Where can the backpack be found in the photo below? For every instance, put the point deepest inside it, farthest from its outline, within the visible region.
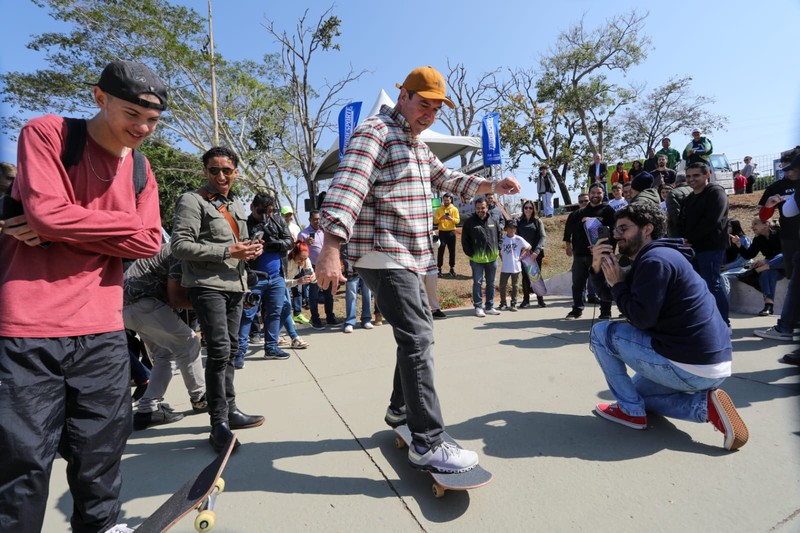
(76, 141)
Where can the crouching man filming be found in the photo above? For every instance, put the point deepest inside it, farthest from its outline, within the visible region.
(675, 339)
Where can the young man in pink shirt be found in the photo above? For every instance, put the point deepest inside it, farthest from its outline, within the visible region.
(64, 367)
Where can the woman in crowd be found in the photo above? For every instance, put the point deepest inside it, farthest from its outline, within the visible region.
(767, 241)
(531, 228)
(636, 168)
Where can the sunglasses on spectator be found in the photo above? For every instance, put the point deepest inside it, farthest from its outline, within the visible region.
(216, 170)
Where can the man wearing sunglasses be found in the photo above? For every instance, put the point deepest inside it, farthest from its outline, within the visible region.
(675, 340)
(210, 236)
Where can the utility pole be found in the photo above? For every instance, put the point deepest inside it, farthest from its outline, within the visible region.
(215, 115)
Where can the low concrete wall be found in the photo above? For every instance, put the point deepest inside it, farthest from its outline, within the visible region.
(743, 298)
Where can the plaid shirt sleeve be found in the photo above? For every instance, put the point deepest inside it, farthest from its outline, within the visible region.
(380, 198)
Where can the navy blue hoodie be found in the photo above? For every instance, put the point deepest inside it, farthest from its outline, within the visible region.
(663, 296)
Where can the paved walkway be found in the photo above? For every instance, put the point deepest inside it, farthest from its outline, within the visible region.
(519, 388)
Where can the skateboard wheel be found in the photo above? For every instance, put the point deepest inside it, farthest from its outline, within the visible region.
(438, 490)
(399, 443)
(205, 521)
(220, 485)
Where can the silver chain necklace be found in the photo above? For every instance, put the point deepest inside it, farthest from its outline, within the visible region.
(91, 166)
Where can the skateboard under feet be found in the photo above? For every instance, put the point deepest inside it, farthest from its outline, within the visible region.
(471, 479)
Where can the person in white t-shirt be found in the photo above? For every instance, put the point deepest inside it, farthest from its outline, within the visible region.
(617, 202)
(512, 250)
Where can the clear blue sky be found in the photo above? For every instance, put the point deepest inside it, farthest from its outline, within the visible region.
(740, 52)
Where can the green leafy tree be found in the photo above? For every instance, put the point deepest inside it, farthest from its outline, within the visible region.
(171, 39)
(178, 172)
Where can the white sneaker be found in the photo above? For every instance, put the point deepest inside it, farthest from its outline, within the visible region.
(367, 325)
(444, 457)
(479, 312)
(120, 528)
(492, 311)
(348, 328)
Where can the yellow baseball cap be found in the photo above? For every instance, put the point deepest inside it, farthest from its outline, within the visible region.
(428, 83)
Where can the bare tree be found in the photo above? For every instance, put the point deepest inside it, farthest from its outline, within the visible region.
(310, 111)
(666, 110)
(472, 101)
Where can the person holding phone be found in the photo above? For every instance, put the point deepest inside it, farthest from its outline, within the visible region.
(675, 340)
(210, 236)
(271, 269)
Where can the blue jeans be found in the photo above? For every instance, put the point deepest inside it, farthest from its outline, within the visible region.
(708, 264)
(479, 271)
(400, 296)
(657, 385)
(271, 293)
(351, 303)
(314, 293)
(286, 315)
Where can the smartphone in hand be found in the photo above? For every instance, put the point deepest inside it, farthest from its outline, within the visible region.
(603, 232)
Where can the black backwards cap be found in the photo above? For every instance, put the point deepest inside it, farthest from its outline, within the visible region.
(127, 80)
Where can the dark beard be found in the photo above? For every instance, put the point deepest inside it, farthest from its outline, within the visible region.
(632, 246)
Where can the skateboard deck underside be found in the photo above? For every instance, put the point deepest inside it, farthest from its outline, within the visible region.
(189, 496)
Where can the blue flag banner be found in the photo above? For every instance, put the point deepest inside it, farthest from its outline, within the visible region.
(490, 136)
(348, 118)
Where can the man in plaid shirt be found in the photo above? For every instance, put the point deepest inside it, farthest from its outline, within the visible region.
(379, 203)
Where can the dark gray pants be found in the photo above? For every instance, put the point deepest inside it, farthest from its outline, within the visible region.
(69, 395)
(219, 314)
(400, 296)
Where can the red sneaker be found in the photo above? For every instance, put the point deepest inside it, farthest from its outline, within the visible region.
(723, 414)
(614, 413)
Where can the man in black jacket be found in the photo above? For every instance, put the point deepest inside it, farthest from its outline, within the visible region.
(578, 248)
(270, 290)
(704, 227)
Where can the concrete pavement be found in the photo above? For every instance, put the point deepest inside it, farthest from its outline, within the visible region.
(519, 388)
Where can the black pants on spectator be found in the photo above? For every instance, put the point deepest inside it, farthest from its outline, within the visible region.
(581, 270)
(219, 314)
(447, 239)
(69, 395)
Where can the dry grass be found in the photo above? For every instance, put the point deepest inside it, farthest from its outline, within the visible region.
(457, 292)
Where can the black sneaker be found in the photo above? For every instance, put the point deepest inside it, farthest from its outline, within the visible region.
(540, 301)
(452, 273)
(523, 305)
(502, 307)
(277, 353)
(156, 418)
(574, 314)
(439, 314)
(201, 405)
(333, 321)
(593, 300)
(395, 417)
(317, 324)
(513, 308)
(604, 316)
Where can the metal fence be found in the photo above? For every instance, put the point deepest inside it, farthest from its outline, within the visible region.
(764, 168)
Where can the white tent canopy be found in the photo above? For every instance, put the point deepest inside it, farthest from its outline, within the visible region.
(443, 146)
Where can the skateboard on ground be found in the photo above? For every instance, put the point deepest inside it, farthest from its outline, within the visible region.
(198, 493)
(472, 479)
